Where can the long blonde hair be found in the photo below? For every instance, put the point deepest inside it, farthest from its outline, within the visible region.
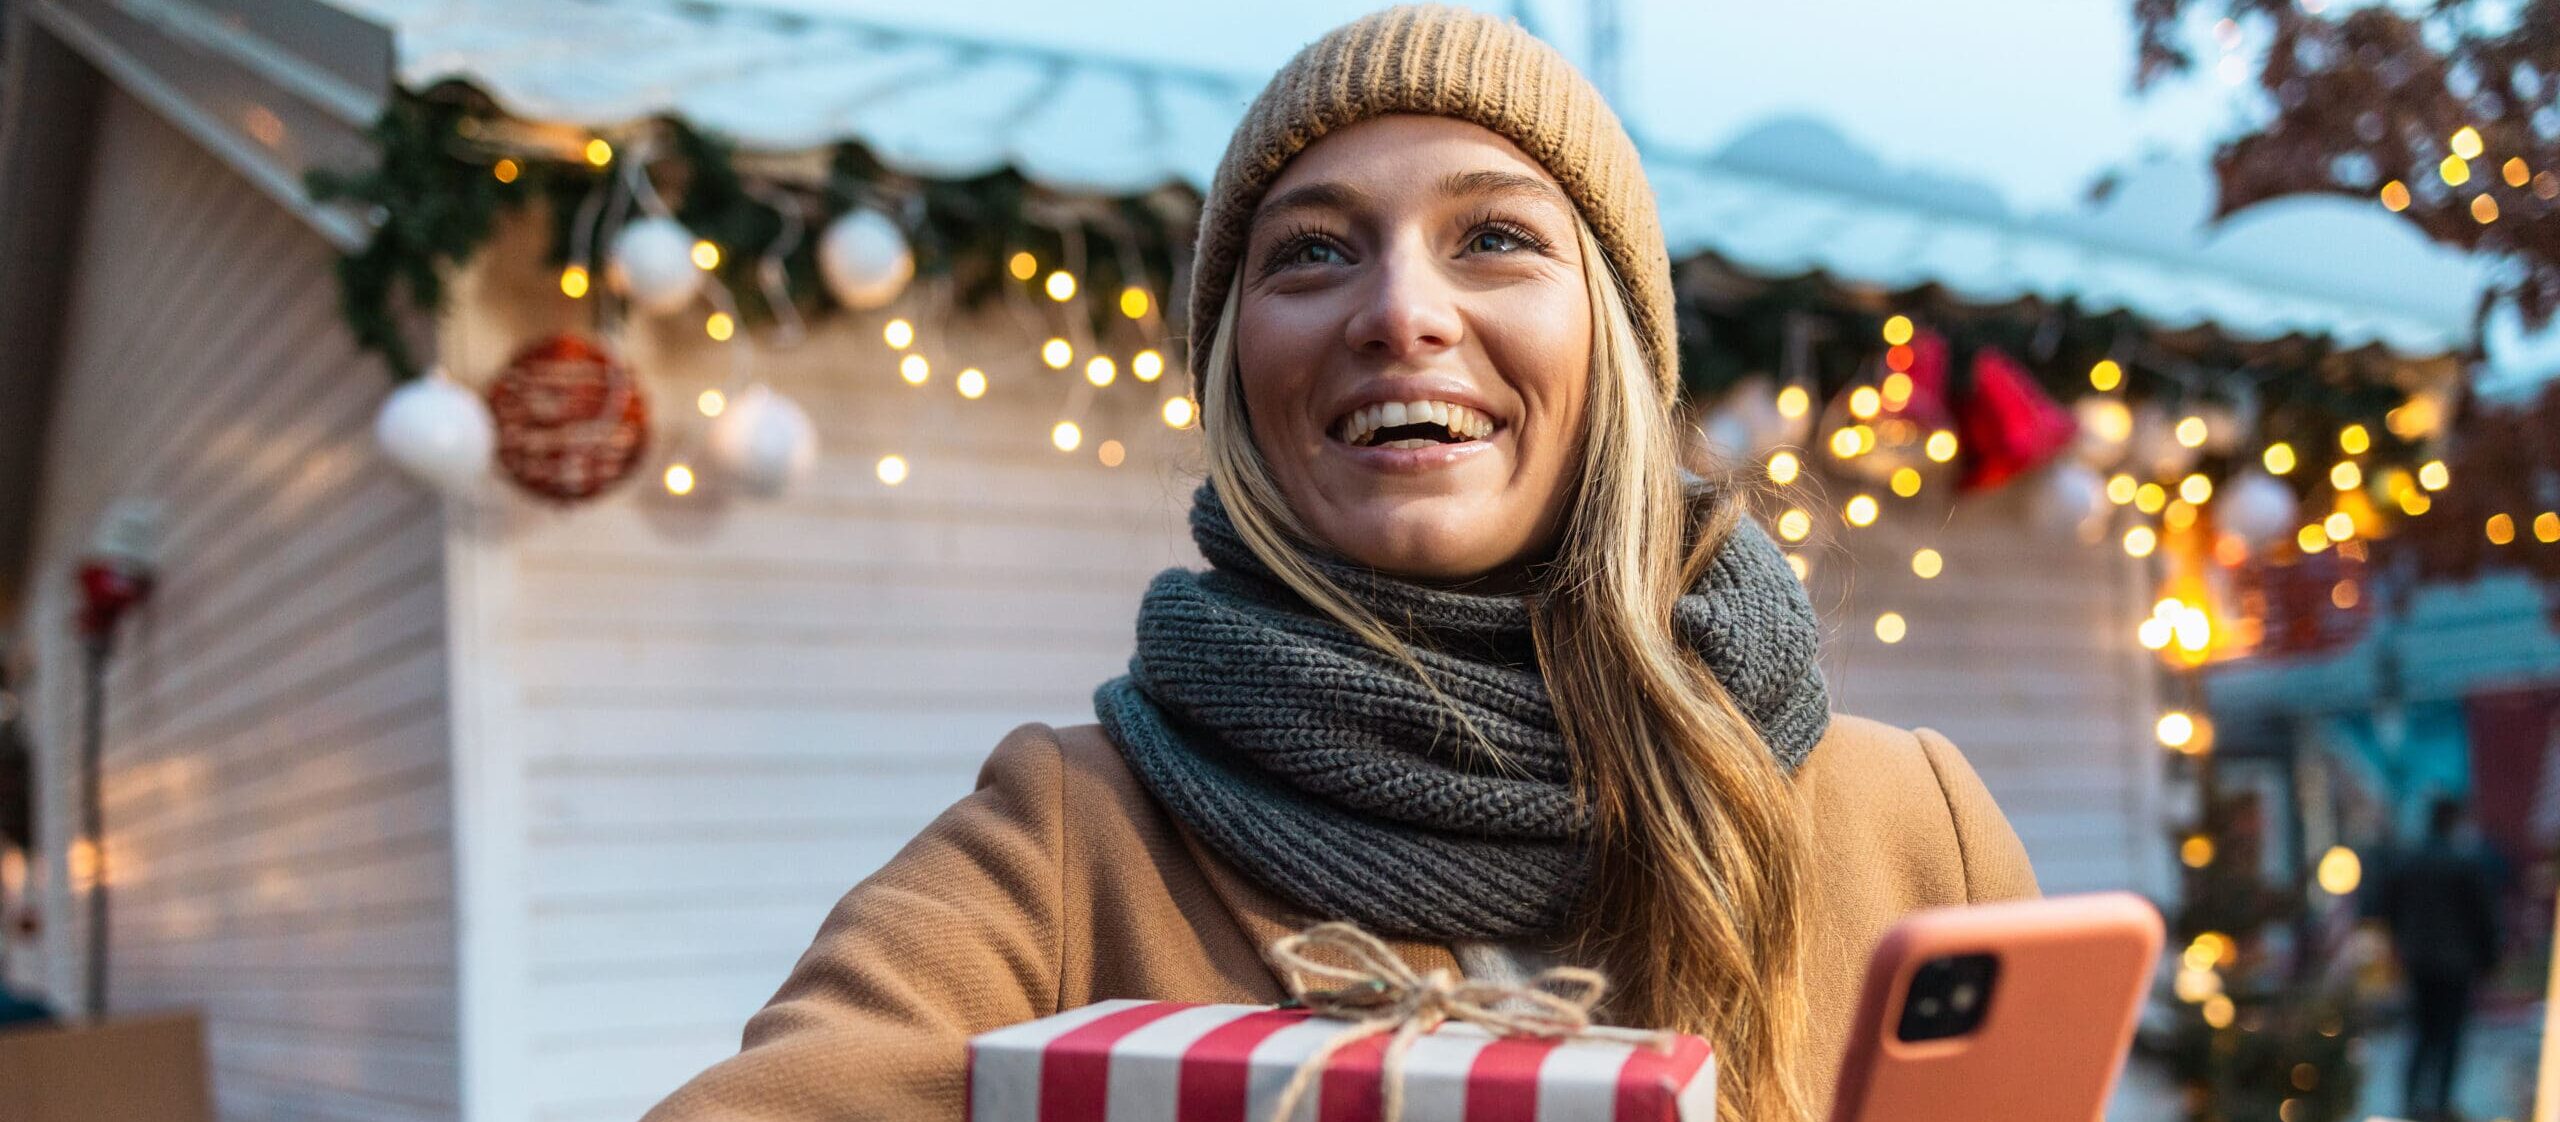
(1696, 906)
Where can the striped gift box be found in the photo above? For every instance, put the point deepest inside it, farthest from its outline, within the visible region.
(1165, 1061)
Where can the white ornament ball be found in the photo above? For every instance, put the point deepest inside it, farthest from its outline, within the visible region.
(865, 259)
(764, 442)
(653, 265)
(2256, 506)
(438, 432)
(2069, 499)
(2106, 426)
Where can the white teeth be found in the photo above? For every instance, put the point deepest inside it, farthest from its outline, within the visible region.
(1463, 423)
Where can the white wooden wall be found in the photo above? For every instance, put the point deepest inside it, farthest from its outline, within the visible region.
(705, 718)
(276, 773)
(2023, 653)
(696, 722)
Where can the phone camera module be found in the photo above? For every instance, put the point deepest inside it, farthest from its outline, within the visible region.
(1948, 997)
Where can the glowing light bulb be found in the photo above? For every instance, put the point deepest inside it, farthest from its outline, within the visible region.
(1061, 286)
(1111, 453)
(972, 383)
(2338, 527)
(898, 333)
(2501, 529)
(1865, 402)
(2312, 539)
(2455, 171)
(679, 479)
(1146, 365)
(1179, 412)
(2346, 476)
(1906, 481)
(2140, 541)
(574, 282)
(2354, 440)
(1861, 510)
(2175, 729)
(2150, 497)
(1941, 446)
(914, 369)
(1890, 627)
(706, 256)
(2484, 209)
(1784, 467)
(2340, 871)
(2196, 852)
(2195, 489)
(2191, 431)
(2106, 375)
(507, 171)
(1897, 330)
(2121, 488)
(1134, 302)
(720, 326)
(711, 402)
(2395, 196)
(1927, 564)
(2279, 458)
(1100, 370)
(599, 152)
(1066, 436)
(2465, 143)
(1793, 401)
(2433, 476)
(1794, 525)
(1022, 265)
(892, 470)
(1057, 353)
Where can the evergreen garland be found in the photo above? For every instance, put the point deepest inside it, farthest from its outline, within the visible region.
(434, 201)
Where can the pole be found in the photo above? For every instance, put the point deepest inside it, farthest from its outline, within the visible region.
(93, 819)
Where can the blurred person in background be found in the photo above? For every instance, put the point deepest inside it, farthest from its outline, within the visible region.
(2439, 903)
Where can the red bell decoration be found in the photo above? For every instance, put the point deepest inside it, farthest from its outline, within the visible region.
(1926, 360)
(2008, 423)
(109, 587)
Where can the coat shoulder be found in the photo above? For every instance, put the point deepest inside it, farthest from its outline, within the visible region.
(1128, 871)
(1876, 787)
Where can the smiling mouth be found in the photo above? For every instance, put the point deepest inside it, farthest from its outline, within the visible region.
(1412, 424)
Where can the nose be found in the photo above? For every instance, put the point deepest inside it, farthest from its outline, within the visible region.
(1409, 310)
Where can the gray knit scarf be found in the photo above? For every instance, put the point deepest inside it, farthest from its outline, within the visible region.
(1322, 769)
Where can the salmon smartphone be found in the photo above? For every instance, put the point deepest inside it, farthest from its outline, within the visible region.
(2018, 1012)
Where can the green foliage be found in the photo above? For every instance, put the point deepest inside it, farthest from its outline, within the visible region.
(435, 202)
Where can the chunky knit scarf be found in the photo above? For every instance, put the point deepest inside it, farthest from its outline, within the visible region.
(1324, 770)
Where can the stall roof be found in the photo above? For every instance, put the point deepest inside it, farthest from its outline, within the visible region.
(1791, 198)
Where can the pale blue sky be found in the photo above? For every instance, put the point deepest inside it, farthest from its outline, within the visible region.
(2032, 96)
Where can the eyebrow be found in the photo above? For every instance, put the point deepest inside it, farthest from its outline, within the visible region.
(1330, 195)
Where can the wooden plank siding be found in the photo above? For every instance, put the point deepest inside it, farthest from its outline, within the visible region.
(277, 753)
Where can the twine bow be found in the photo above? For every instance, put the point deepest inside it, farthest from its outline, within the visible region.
(1381, 994)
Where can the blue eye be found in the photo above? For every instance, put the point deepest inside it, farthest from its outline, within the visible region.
(1312, 251)
(1494, 239)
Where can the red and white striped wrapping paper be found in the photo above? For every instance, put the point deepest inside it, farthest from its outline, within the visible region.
(1163, 1061)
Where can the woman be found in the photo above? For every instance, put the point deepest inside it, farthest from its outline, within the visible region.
(1471, 666)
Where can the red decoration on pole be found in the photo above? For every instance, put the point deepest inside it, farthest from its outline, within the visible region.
(109, 587)
(2009, 425)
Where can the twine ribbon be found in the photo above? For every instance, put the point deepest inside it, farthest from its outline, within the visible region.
(1379, 993)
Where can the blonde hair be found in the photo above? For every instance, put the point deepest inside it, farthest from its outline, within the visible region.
(1696, 904)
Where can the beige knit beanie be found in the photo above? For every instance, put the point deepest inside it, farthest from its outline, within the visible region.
(1446, 62)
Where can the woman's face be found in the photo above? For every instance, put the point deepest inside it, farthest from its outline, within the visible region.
(1414, 341)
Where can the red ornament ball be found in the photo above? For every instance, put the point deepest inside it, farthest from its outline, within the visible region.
(571, 418)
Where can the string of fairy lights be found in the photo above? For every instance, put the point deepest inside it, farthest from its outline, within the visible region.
(1059, 349)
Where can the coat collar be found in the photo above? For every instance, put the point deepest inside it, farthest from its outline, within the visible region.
(1265, 918)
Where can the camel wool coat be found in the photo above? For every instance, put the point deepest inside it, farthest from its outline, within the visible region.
(1061, 882)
